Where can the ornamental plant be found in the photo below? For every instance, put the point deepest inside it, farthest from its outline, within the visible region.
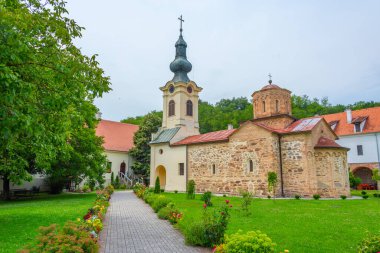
(370, 244)
(209, 231)
(252, 241)
(206, 197)
(316, 196)
(160, 202)
(157, 187)
(190, 189)
(246, 201)
(272, 182)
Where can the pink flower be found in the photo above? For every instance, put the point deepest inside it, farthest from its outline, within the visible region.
(204, 205)
(227, 201)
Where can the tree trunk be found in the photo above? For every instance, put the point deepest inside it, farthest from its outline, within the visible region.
(6, 188)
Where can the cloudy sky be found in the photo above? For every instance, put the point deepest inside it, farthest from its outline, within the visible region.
(319, 48)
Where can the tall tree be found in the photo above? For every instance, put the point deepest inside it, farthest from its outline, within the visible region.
(47, 87)
(141, 151)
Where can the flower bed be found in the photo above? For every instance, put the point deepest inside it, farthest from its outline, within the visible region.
(79, 236)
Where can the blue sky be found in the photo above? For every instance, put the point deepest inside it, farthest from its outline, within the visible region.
(318, 48)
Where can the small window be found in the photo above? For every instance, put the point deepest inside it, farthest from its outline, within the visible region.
(360, 149)
(189, 108)
(263, 106)
(250, 166)
(277, 106)
(181, 168)
(161, 151)
(357, 128)
(213, 169)
(171, 108)
(109, 167)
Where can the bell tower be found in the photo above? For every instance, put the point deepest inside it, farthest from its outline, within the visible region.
(180, 95)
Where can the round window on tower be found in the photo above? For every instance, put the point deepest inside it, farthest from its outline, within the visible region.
(189, 89)
(171, 89)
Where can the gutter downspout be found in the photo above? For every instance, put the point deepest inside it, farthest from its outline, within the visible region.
(280, 163)
(187, 167)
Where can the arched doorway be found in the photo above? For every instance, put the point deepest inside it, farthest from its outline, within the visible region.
(122, 167)
(365, 174)
(161, 174)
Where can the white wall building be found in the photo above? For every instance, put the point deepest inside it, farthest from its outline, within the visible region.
(360, 131)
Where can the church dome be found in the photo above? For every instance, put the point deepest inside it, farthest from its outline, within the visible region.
(270, 87)
(180, 66)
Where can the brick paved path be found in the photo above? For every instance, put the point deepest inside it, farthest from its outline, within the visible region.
(132, 226)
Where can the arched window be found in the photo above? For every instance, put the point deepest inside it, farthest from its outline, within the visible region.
(189, 108)
(277, 105)
(171, 108)
(250, 166)
(263, 106)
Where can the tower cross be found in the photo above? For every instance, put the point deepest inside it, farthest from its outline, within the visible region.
(270, 78)
(181, 21)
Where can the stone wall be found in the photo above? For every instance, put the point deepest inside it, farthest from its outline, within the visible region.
(332, 173)
(231, 161)
(276, 122)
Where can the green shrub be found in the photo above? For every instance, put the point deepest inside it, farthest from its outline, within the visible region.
(86, 188)
(162, 190)
(195, 234)
(370, 244)
(209, 231)
(297, 196)
(375, 195)
(316, 196)
(224, 195)
(354, 181)
(170, 212)
(206, 197)
(123, 186)
(117, 182)
(343, 197)
(365, 196)
(73, 237)
(175, 191)
(150, 198)
(112, 179)
(272, 182)
(157, 187)
(364, 193)
(269, 197)
(137, 187)
(190, 189)
(160, 202)
(246, 201)
(252, 241)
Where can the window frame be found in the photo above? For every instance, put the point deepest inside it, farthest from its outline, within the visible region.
(171, 109)
(181, 169)
(359, 149)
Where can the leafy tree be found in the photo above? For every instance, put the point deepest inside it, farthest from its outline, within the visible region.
(354, 181)
(47, 91)
(141, 150)
(190, 189)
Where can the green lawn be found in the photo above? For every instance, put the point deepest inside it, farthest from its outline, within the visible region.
(297, 225)
(20, 219)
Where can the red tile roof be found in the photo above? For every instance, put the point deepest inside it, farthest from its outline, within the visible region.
(327, 143)
(372, 124)
(270, 86)
(302, 125)
(117, 136)
(217, 136)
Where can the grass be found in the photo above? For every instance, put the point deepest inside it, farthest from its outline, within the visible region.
(20, 219)
(296, 225)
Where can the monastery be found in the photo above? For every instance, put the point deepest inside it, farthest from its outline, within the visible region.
(302, 152)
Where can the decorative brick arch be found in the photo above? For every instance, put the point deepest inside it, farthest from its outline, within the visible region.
(365, 174)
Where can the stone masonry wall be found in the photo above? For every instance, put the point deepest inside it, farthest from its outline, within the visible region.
(231, 160)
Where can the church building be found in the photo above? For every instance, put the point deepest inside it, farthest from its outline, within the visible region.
(302, 152)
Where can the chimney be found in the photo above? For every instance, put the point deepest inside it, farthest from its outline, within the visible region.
(349, 115)
(98, 115)
(230, 127)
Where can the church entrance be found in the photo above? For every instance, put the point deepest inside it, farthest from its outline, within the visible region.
(122, 167)
(161, 174)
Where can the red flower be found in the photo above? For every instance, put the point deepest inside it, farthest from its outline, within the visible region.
(204, 205)
(87, 216)
(227, 201)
